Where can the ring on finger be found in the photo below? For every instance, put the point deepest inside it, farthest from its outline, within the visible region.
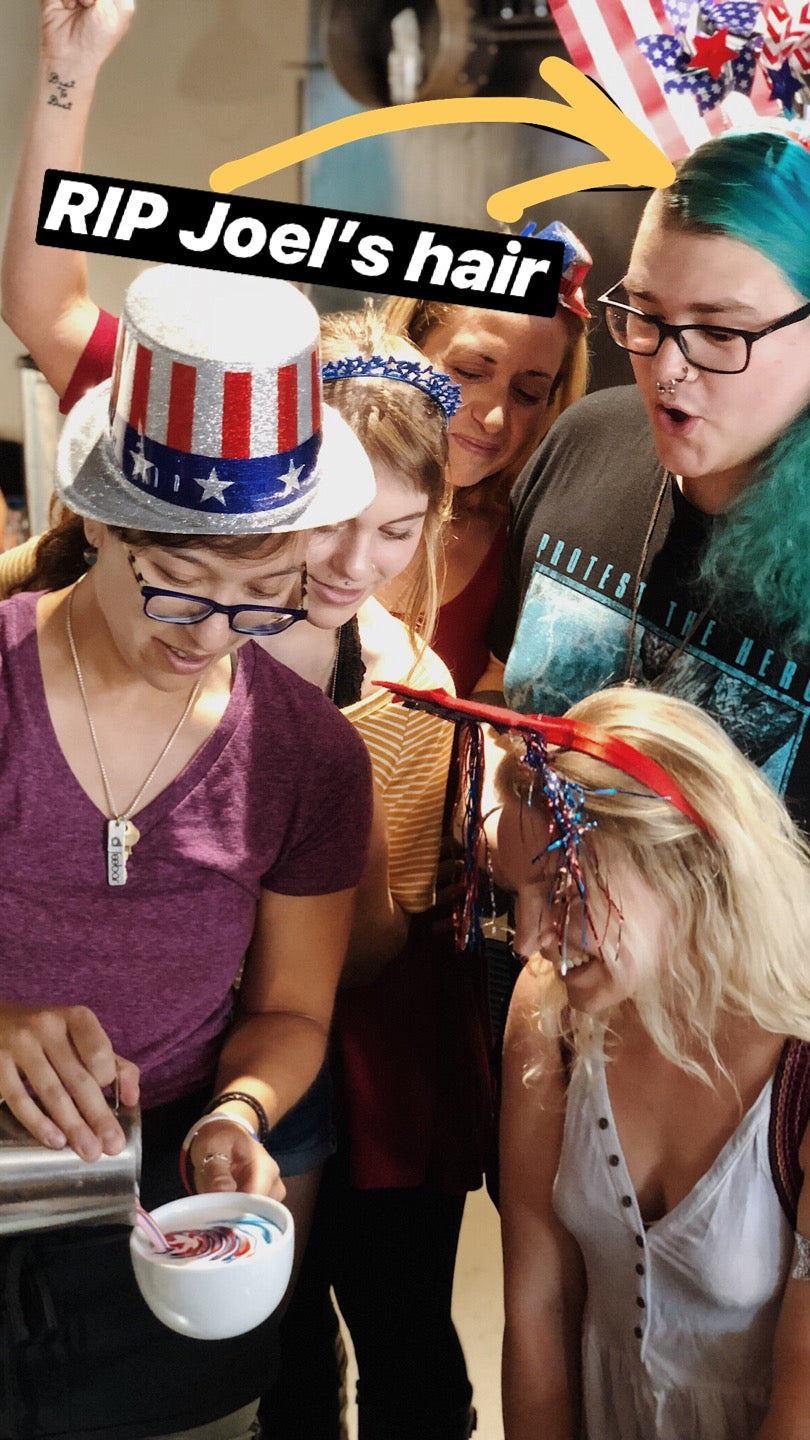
(214, 1155)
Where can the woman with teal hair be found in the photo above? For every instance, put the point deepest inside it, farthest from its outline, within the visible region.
(759, 556)
(661, 533)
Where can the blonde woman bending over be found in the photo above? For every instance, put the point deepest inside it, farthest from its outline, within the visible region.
(653, 1284)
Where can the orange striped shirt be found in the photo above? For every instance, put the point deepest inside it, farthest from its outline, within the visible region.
(410, 754)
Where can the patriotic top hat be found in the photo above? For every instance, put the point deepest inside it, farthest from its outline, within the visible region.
(212, 423)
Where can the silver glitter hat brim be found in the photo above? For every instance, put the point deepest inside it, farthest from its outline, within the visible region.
(91, 483)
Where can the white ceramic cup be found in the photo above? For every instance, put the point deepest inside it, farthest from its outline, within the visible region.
(211, 1297)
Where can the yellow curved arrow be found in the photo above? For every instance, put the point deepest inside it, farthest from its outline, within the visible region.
(588, 115)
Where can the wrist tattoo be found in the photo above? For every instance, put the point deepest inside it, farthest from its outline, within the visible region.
(801, 1270)
(60, 92)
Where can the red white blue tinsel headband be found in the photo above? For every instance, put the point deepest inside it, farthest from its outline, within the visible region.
(566, 799)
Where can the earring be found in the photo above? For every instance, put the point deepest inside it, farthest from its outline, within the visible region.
(90, 556)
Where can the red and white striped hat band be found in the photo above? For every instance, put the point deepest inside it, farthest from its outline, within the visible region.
(214, 416)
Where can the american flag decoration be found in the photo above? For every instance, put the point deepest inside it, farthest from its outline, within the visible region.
(711, 52)
(785, 55)
(214, 437)
(682, 71)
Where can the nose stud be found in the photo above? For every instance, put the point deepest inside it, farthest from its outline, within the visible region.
(669, 388)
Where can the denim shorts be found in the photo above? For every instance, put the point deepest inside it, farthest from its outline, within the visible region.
(305, 1138)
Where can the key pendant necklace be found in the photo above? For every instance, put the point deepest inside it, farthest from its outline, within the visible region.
(122, 832)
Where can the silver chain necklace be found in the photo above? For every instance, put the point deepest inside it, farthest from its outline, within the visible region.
(122, 833)
(333, 678)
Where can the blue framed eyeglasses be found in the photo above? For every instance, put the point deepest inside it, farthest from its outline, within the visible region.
(176, 607)
(721, 349)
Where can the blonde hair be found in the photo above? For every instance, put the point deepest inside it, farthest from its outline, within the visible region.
(737, 895)
(416, 318)
(402, 428)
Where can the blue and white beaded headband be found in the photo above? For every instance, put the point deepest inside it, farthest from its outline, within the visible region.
(433, 383)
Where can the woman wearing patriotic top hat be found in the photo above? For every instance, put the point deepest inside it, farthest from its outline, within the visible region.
(517, 373)
(394, 402)
(59, 289)
(163, 822)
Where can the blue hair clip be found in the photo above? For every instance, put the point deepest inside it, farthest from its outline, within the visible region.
(437, 386)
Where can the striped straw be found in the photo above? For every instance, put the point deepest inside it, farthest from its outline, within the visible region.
(152, 1230)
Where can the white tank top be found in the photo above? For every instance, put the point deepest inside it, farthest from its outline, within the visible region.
(680, 1316)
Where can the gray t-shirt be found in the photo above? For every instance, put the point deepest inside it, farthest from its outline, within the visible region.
(580, 514)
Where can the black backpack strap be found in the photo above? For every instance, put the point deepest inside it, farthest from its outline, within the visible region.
(790, 1114)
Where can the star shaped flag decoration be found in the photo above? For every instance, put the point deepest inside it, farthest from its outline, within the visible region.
(712, 51)
(785, 85)
(687, 70)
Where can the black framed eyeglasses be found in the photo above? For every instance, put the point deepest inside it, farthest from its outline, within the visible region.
(721, 349)
(175, 607)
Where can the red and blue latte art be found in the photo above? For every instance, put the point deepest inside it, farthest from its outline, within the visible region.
(242, 1236)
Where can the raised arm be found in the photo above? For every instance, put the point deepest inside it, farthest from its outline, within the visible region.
(543, 1275)
(44, 291)
(788, 1415)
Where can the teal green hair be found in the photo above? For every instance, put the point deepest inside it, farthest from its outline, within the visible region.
(755, 187)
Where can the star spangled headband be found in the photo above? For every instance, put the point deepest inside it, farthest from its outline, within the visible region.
(433, 383)
(715, 48)
(567, 800)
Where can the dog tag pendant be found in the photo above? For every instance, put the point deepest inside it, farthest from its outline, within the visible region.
(116, 852)
(121, 836)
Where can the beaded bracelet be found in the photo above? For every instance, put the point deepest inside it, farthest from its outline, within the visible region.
(189, 1188)
(249, 1100)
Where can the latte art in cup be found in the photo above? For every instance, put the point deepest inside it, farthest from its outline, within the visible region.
(228, 1268)
(241, 1237)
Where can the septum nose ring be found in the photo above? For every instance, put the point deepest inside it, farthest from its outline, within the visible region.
(669, 388)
